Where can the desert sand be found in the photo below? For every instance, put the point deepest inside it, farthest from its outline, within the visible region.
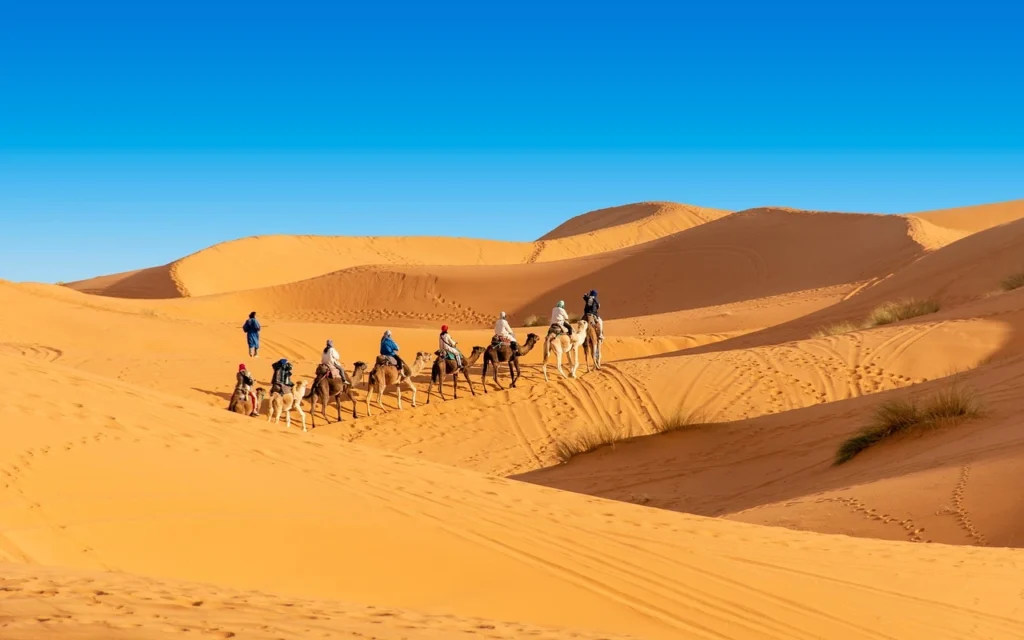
(133, 505)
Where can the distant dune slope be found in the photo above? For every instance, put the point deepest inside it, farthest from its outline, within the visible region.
(975, 218)
(651, 219)
(971, 268)
(271, 260)
(748, 255)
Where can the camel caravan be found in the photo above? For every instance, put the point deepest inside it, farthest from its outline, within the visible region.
(331, 383)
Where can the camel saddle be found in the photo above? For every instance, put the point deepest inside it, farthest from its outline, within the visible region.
(556, 330)
(501, 340)
(387, 361)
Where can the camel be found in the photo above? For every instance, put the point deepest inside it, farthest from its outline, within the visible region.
(241, 403)
(385, 374)
(502, 352)
(591, 344)
(325, 389)
(561, 343)
(286, 402)
(450, 369)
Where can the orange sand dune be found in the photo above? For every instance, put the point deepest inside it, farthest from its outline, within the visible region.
(178, 491)
(748, 255)
(133, 505)
(975, 218)
(272, 260)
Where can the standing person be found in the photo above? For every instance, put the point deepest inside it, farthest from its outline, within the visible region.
(447, 345)
(389, 348)
(503, 331)
(333, 361)
(560, 319)
(592, 306)
(252, 334)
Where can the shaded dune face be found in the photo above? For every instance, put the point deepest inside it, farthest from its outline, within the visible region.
(133, 504)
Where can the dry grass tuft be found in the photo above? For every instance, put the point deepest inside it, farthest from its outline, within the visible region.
(585, 441)
(531, 321)
(836, 329)
(574, 317)
(891, 312)
(1016, 281)
(948, 406)
(681, 422)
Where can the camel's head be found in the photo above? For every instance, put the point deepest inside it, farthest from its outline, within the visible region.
(531, 338)
(423, 357)
(260, 394)
(476, 352)
(581, 326)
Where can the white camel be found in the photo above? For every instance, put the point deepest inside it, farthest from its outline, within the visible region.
(285, 403)
(561, 344)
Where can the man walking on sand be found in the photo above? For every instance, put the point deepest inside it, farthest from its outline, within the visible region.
(252, 334)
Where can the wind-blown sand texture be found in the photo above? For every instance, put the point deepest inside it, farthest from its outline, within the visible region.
(133, 505)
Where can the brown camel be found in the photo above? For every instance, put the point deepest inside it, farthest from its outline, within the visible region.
(451, 369)
(591, 344)
(326, 389)
(502, 352)
(286, 403)
(242, 402)
(385, 374)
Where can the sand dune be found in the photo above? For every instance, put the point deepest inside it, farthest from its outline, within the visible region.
(272, 260)
(133, 505)
(754, 254)
(374, 529)
(975, 218)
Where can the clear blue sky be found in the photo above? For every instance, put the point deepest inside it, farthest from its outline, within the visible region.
(134, 133)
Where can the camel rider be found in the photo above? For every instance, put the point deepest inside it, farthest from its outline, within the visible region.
(446, 345)
(591, 307)
(282, 380)
(560, 319)
(333, 361)
(244, 383)
(502, 331)
(389, 349)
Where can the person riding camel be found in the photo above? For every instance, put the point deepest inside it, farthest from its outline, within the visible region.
(331, 358)
(282, 380)
(560, 319)
(389, 349)
(447, 346)
(244, 382)
(502, 332)
(591, 306)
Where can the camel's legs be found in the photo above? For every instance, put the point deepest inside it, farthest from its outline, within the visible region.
(574, 359)
(398, 392)
(302, 414)
(465, 372)
(380, 397)
(412, 388)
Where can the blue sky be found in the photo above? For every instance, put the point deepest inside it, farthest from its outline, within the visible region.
(134, 133)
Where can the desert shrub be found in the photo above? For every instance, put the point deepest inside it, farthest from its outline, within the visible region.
(681, 421)
(585, 441)
(894, 417)
(1016, 281)
(904, 309)
(531, 321)
(836, 329)
(574, 317)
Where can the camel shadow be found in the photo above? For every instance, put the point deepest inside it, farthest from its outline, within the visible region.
(226, 397)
